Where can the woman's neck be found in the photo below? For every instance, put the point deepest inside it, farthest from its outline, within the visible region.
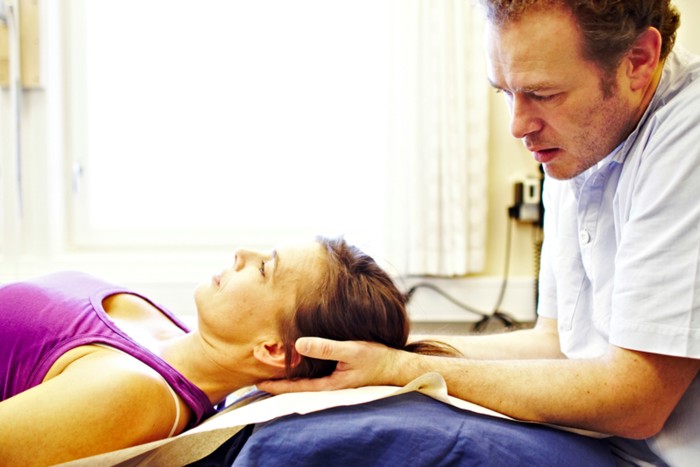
(217, 368)
(204, 364)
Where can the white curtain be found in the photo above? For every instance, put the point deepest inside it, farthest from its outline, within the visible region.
(440, 102)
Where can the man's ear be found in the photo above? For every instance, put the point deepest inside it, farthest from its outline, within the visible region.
(272, 353)
(643, 58)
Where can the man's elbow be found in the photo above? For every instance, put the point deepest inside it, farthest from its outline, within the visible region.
(633, 416)
(641, 425)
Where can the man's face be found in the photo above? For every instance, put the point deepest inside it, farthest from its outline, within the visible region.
(555, 96)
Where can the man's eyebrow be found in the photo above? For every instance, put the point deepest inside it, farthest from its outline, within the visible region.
(493, 84)
(525, 90)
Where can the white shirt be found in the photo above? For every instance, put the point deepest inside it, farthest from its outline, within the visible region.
(621, 256)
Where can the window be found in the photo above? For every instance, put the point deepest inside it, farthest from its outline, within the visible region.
(224, 123)
(172, 130)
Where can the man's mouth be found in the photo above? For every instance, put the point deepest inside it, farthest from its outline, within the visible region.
(545, 155)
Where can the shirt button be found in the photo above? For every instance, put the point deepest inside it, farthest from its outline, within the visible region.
(584, 237)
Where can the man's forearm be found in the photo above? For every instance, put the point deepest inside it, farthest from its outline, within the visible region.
(542, 341)
(625, 393)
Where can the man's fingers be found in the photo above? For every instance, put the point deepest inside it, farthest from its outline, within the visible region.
(355, 365)
(283, 386)
(317, 347)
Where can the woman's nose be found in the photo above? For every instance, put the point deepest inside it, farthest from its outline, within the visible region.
(242, 257)
(239, 259)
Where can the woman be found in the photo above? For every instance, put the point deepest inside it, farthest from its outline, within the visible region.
(88, 367)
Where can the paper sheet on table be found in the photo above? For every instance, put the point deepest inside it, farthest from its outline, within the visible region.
(202, 440)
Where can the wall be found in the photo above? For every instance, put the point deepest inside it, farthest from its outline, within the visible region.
(689, 35)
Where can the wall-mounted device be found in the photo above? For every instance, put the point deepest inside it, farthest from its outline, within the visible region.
(528, 208)
(527, 200)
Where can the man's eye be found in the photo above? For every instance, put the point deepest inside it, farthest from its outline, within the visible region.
(262, 268)
(544, 98)
(503, 91)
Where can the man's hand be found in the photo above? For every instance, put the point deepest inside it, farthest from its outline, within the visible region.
(359, 364)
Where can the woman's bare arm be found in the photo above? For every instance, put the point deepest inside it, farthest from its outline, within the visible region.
(102, 402)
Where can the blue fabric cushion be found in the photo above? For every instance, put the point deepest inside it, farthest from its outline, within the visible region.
(416, 430)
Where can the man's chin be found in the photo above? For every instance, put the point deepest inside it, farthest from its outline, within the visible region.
(560, 172)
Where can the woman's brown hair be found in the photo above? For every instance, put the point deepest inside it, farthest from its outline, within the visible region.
(356, 300)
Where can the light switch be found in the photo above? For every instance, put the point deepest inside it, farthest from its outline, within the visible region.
(29, 45)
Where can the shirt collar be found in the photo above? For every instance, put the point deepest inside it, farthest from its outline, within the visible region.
(658, 100)
(614, 157)
(619, 154)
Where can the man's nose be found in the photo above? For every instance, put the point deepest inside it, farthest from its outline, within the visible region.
(524, 119)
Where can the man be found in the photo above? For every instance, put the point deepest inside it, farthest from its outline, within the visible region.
(598, 96)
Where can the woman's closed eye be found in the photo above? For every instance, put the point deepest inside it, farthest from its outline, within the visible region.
(262, 268)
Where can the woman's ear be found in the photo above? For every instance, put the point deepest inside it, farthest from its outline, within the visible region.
(270, 353)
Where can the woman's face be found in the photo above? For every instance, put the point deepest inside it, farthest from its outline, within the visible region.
(245, 302)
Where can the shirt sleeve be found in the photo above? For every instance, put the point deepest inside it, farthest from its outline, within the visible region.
(656, 299)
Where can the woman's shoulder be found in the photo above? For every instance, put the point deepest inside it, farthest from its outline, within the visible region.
(125, 388)
(104, 400)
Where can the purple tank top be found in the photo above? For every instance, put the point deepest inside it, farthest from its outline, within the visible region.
(43, 318)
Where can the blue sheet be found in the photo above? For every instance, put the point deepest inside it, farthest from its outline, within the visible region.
(408, 429)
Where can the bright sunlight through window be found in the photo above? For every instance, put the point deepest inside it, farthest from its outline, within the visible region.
(253, 119)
